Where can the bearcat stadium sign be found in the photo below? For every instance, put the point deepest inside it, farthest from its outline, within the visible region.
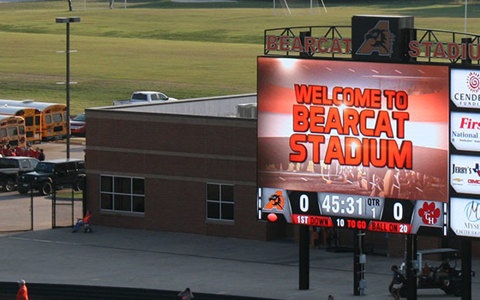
(375, 38)
(436, 50)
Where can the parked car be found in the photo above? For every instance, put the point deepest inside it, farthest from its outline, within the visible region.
(50, 174)
(145, 97)
(13, 166)
(78, 125)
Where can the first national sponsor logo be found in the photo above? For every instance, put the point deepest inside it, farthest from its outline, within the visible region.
(465, 131)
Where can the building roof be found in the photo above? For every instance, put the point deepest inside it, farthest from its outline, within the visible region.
(234, 106)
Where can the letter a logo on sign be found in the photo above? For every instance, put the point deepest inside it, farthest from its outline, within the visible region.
(379, 39)
(275, 201)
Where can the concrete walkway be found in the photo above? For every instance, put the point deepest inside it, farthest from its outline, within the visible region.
(173, 261)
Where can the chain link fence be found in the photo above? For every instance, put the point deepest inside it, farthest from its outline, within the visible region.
(67, 207)
(32, 211)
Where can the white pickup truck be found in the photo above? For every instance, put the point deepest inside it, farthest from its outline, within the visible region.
(144, 97)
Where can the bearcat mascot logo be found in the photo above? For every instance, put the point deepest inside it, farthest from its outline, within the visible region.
(378, 39)
(275, 201)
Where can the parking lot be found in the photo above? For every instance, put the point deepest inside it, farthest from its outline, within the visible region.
(15, 209)
(58, 149)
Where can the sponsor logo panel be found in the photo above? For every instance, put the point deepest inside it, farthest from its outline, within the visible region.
(465, 216)
(464, 131)
(465, 88)
(465, 174)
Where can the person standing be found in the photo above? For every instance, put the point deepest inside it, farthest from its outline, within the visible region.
(36, 153)
(41, 156)
(397, 283)
(7, 151)
(22, 293)
(186, 294)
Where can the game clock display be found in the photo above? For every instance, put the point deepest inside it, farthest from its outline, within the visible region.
(350, 211)
(330, 204)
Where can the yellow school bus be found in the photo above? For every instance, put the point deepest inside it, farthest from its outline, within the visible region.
(53, 117)
(12, 131)
(32, 116)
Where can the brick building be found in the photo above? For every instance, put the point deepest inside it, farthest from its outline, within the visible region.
(183, 166)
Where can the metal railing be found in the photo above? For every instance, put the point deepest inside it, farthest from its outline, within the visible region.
(330, 32)
(424, 38)
(444, 37)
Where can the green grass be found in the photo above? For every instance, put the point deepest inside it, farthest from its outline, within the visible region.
(185, 50)
(67, 194)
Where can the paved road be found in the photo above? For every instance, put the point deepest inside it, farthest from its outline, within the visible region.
(58, 149)
(173, 261)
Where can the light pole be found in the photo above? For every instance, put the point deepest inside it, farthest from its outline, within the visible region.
(67, 21)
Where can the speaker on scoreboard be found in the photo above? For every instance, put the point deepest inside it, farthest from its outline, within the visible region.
(304, 34)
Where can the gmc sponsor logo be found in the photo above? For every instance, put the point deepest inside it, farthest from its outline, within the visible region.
(474, 181)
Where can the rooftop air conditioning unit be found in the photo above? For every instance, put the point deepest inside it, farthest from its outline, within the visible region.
(247, 110)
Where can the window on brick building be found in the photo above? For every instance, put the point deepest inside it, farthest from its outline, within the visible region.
(120, 193)
(220, 204)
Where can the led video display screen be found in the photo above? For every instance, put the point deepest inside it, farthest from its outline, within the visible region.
(352, 139)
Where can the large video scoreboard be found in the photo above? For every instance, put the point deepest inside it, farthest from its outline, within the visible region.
(358, 145)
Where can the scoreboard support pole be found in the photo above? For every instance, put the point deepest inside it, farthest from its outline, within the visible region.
(304, 258)
(466, 255)
(411, 249)
(358, 263)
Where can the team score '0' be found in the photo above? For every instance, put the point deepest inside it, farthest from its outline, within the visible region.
(399, 211)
